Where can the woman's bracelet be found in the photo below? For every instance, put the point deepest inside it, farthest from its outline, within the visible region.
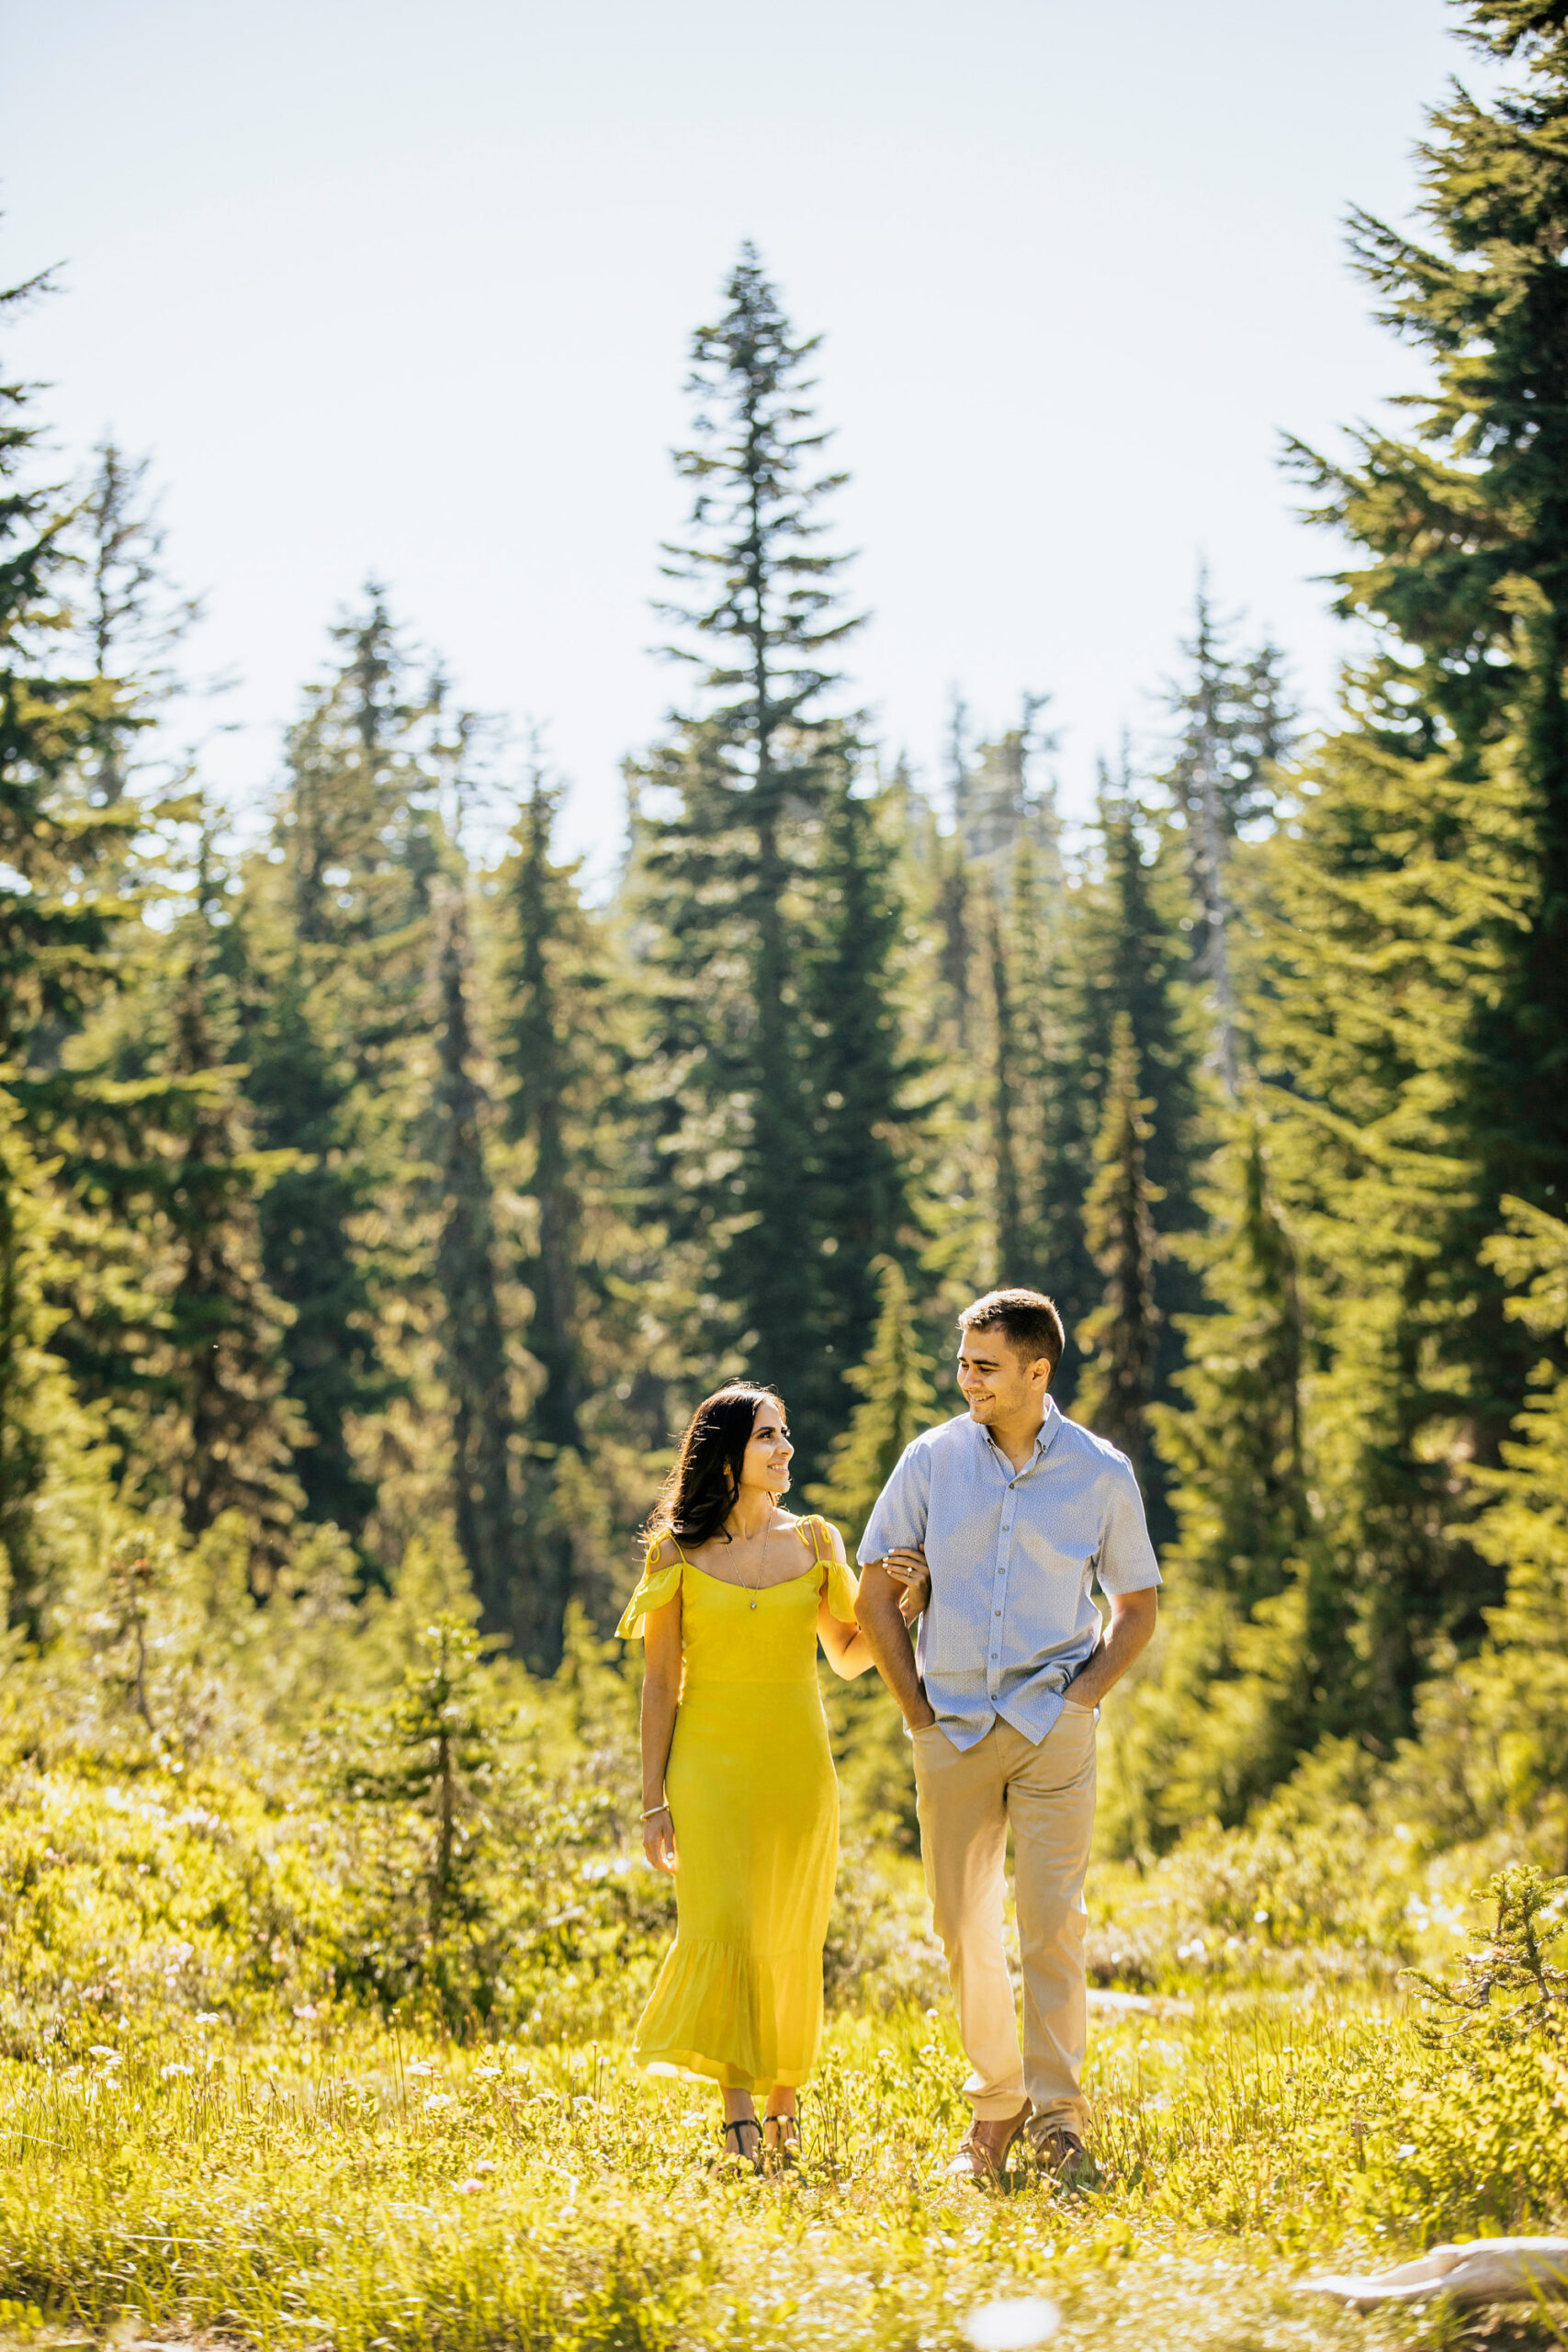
(649, 1811)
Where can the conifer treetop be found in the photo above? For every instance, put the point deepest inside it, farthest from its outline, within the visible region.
(1466, 522)
(765, 606)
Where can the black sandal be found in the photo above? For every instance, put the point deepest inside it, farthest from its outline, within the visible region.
(743, 2124)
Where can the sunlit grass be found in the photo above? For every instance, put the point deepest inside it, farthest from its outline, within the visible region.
(349, 2185)
(206, 2132)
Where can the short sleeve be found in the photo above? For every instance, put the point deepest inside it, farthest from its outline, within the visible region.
(898, 1521)
(840, 1591)
(1126, 1562)
(655, 1587)
(838, 1588)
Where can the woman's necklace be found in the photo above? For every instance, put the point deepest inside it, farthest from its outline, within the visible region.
(761, 1561)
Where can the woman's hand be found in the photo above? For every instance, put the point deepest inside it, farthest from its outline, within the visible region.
(658, 1841)
(913, 1578)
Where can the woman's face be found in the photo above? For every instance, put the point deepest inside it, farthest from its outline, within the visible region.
(768, 1449)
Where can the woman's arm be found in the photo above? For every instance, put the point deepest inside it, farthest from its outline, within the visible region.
(848, 1651)
(660, 1696)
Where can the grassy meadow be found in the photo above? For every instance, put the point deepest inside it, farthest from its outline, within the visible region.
(215, 2126)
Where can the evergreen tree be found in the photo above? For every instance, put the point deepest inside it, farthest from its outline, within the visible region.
(730, 893)
(476, 1368)
(56, 939)
(230, 1435)
(49, 1468)
(594, 1285)
(1000, 802)
(332, 951)
(555, 1052)
(1257, 1661)
(1122, 953)
(163, 1317)
(958, 763)
(1369, 962)
(1464, 531)
(1037, 1037)
(301, 1096)
(1414, 998)
(1235, 1450)
(1492, 1751)
(1005, 865)
(1119, 1338)
(896, 1402)
(421, 1779)
(856, 1074)
(55, 726)
(1234, 726)
(954, 912)
(130, 620)
(1013, 1240)
(943, 1003)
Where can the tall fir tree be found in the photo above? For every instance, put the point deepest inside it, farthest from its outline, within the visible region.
(57, 724)
(165, 1319)
(50, 1449)
(1003, 802)
(475, 1360)
(1234, 725)
(733, 900)
(1259, 1663)
(335, 937)
(1008, 1145)
(229, 1436)
(857, 1073)
(1123, 953)
(1464, 530)
(554, 1051)
(953, 911)
(59, 919)
(1119, 1339)
(591, 1261)
(1492, 1756)
(1411, 967)
(1237, 1449)
(131, 618)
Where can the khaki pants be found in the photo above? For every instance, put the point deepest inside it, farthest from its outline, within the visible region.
(966, 1802)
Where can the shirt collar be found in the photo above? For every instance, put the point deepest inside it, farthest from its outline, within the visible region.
(1044, 1437)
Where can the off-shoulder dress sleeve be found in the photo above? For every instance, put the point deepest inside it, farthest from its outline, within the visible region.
(655, 1587)
(839, 1587)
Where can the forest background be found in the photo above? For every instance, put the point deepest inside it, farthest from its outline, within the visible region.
(374, 1207)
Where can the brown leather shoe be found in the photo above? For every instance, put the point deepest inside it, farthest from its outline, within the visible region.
(983, 2156)
(1060, 2151)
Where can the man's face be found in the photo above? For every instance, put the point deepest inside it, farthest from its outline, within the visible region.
(998, 1380)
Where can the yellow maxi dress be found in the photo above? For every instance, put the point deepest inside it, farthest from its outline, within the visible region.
(751, 1788)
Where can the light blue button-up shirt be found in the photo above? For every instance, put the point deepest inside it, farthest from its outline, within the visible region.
(1013, 1557)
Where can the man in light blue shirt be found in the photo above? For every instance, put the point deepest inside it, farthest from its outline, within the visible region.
(1018, 1512)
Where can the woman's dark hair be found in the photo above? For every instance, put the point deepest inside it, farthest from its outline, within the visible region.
(700, 1492)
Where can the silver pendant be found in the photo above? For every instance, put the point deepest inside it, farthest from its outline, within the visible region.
(754, 1604)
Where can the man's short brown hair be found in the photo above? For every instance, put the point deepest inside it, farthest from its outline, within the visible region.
(1029, 1318)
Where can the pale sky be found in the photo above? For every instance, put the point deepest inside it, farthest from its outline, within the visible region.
(407, 289)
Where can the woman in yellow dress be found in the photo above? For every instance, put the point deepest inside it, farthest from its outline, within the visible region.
(739, 1800)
